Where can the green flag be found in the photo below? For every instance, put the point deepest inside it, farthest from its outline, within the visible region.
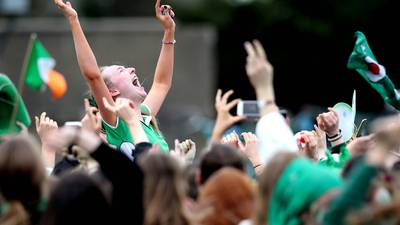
(364, 62)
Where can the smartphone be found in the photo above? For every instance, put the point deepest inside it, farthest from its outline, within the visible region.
(249, 108)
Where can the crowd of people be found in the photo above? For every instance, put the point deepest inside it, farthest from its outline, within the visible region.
(117, 168)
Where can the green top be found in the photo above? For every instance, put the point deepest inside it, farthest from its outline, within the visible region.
(119, 134)
(352, 196)
(300, 184)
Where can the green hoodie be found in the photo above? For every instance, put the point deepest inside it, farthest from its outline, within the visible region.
(301, 183)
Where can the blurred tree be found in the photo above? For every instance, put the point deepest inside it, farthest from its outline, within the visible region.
(308, 42)
(117, 8)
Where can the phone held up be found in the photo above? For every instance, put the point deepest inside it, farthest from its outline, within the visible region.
(251, 109)
(248, 108)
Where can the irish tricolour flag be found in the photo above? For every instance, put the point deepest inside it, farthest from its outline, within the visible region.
(40, 71)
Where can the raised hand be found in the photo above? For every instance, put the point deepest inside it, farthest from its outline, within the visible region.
(308, 144)
(178, 152)
(258, 68)
(131, 114)
(321, 135)
(360, 144)
(125, 109)
(329, 122)
(233, 140)
(189, 149)
(224, 118)
(66, 8)
(90, 121)
(250, 148)
(165, 15)
(44, 126)
(67, 136)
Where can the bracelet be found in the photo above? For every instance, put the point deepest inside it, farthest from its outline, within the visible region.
(334, 136)
(168, 42)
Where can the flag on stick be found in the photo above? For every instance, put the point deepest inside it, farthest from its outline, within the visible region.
(40, 71)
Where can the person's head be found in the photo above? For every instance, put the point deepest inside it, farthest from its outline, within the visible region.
(289, 185)
(266, 183)
(22, 174)
(77, 199)
(164, 190)
(123, 82)
(227, 207)
(218, 157)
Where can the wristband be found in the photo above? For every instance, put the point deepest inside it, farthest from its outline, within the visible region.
(336, 135)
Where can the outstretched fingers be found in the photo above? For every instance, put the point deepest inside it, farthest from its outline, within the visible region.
(233, 103)
(226, 96)
(259, 49)
(249, 49)
(158, 7)
(218, 96)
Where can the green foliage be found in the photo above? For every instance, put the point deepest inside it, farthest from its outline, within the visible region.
(314, 16)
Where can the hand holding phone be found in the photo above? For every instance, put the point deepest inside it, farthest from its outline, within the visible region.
(248, 108)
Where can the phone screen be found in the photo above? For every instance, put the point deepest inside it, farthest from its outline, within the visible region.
(251, 109)
(248, 108)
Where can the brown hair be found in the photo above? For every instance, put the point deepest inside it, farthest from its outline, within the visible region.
(230, 195)
(374, 214)
(218, 157)
(164, 190)
(22, 176)
(266, 183)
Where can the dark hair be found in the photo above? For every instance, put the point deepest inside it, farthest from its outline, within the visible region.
(218, 157)
(141, 149)
(77, 199)
(22, 176)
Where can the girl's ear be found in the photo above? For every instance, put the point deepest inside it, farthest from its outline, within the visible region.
(114, 93)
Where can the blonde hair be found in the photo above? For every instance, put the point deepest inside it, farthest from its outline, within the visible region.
(164, 191)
